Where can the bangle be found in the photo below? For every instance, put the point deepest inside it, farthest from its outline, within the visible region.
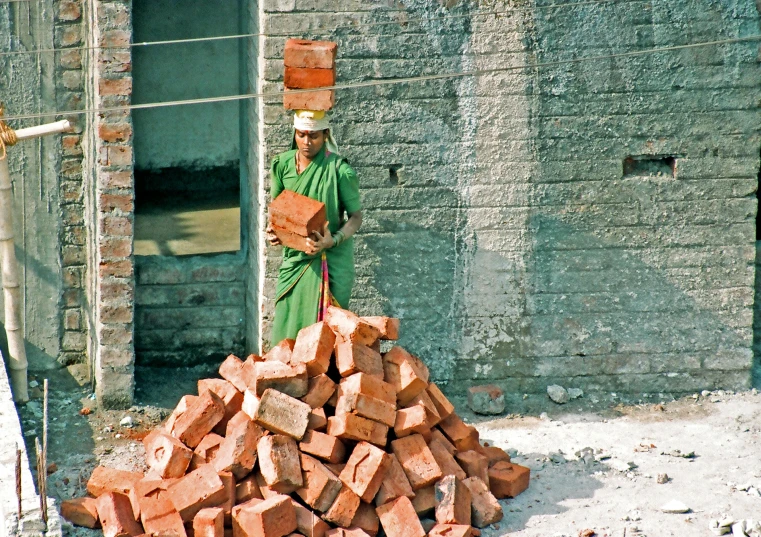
(338, 238)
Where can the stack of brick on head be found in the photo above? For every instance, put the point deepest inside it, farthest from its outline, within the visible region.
(323, 436)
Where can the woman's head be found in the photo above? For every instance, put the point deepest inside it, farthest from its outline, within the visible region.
(312, 132)
(309, 143)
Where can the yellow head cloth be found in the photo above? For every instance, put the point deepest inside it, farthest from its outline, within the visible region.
(315, 120)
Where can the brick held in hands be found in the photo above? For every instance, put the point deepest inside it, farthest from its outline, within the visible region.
(209, 522)
(314, 347)
(464, 437)
(485, 508)
(205, 451)
(452, 501)
(367, 407)
(237, 452)
(159, 517)
(507, 480)
(321, 486)
(282, 414)
(309, 524)
(388, 326)
(417, 460)
(395, 483)
(344, 508)
(310, 54)
(353, 427)
(288, 238)
(366, 519)
(231, 397)
(450, 530)
(279, 463)
(406, 373)
(104, 479)
(443, 406)
(445, 460)
(198, 489)
(289, 379)
(352, 357)
(235, 371)
(165, 455)
(295, 217)
(399, 519)
(308, 78)
(365, 470)
(474, 464)
(424, 501)
(323, 446)
(199, 419)
(321, 389)
(274, 517)
(247, 489)
(81, 512)
(116, 515)
(411, 420)
(350, 327)
(317, 420)
(281, 352)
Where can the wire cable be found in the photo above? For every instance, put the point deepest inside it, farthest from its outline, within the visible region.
(388, 81)
(336, 29)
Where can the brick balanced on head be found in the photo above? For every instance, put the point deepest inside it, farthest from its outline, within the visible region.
(324, 436)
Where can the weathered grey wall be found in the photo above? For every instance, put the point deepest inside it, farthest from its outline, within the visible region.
(509, 239)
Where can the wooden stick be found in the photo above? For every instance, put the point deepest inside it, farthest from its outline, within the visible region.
(45, 448)
(38, 453)
(43, 130)
(18, 480)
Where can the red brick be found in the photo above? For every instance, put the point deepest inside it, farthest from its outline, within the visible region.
(233, 370)
(406, 373)
(119, 86)
(246, 489)
(323, 446)
(366, 519)
(289, 379)
(199, 419)
(452, 501)
(436, 434)
(295, 213)
(81, 512)
(464, 437)
(115, 38)
(264, 488)
(104, 479)
(485, 508)
(279, 463)
(281, 352)
(159, 517)
(314, 347)
(306, 78)
(309, 524)
(352, 357)
(321, 486)
(365, 470)
(250, 404)
(205, 451)
(347, 532)
(236, 421)
(350, 327)
(388, 326)
(182, 406)
(165, 455)
(116, 515)
(282, 414)
(411, 420)
(395, 483)
(507, 480)
(275, 517)
(237, 453)
(495, 454)
(120, 132)
(309, 100)
(424, 501)
(149, 486)
(450, 530)
(352, 427)
(443, 406)
(288, 238)
(445, 460)
(399, 519)
(321, 389)
(474, 464)
(417, 460)
(228, 480)
(231, 397)
(310, 54)
(344, 508)
(317, 420)
(432, 414)
(209, 522)
(367, 407)
(198, 489)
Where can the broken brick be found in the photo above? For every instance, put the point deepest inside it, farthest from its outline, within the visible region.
(352, 427)
(450, 530)
(199, 419)
(485, 508)
(323, 446)
(231, 398)
(350, 327)
(495, 454)
(417, 460)
(81, 512)
(289, 379)
(464, 437)
(399, 519)
(395, 483)
(198, 489)
(353, 357)
(314, 347)
(236, 373)
(209, 522)
(279, 463)
(237, 452)
(104, 479)
(182, 406)
(445, 460)
(274, 517)
(159, 517)
(165, 455)
(365, 470)
(387, 326)
(205, 451)
(507, 480)
(321, 486)
(406, 373)
(282, 351)
(282, 414)
(452, 501)
(344, 508)
(116, 515)
(320, 390)
(474, 464)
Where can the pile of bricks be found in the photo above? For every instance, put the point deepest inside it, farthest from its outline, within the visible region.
(323, 436)
(309, 64)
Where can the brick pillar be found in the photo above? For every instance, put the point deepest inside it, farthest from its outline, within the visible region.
(113, 209)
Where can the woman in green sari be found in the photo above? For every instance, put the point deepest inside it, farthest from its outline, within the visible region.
(313, 168)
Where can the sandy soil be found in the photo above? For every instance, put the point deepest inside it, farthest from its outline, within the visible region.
(595, 461)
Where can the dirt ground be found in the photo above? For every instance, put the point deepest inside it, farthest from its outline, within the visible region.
(602, 462)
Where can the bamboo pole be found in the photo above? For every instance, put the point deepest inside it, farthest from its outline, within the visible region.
(18, 482)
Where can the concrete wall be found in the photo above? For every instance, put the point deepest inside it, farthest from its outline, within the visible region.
(524, 233)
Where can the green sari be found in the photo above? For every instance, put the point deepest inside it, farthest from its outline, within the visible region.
(331, 180)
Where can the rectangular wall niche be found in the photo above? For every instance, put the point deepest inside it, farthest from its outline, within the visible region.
(650, 166)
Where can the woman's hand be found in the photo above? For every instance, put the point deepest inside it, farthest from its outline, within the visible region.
(320, 242)
(271, 237)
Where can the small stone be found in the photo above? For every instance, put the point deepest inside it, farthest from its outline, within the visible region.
(738, 529)
(716, 527)
(662, 479)
(126, 421)
(575, 393)
(558, 394)
(621, 466)
(675, 507)
(488, 399)
(557, 457)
